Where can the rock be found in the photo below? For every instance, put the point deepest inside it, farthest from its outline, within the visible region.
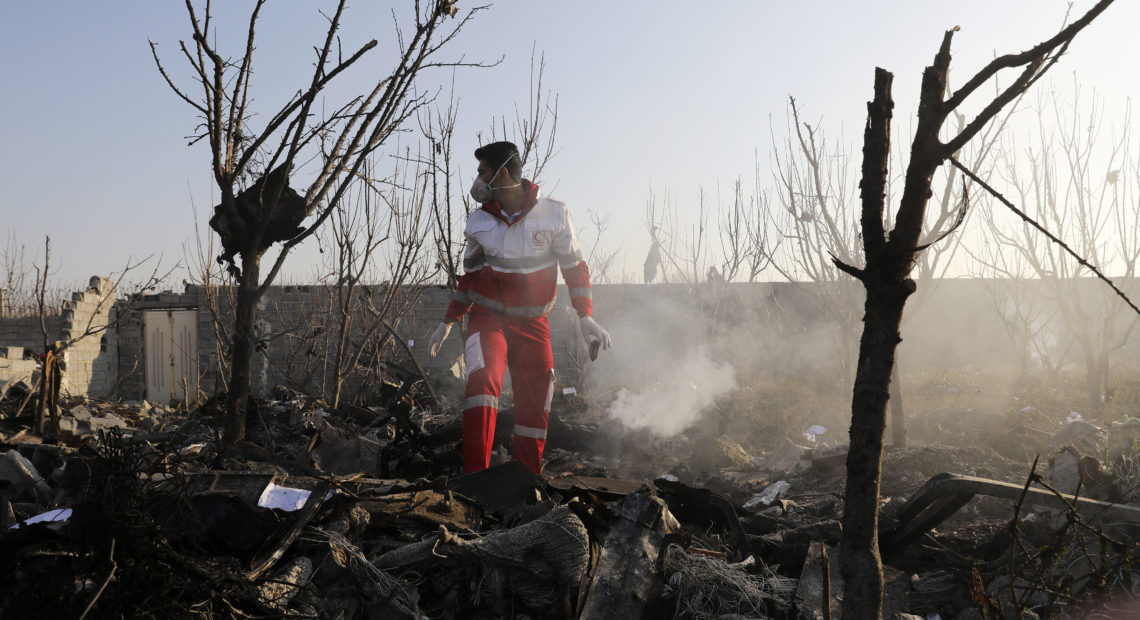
(81, 413)
(106, 422)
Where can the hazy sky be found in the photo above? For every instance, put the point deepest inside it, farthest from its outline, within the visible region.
(652, 95)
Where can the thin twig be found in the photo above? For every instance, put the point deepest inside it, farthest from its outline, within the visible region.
(110, 576)
(1048, 234)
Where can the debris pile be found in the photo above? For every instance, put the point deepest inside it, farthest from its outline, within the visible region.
(136, 509)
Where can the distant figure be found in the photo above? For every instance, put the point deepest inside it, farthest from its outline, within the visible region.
(652, 262)
(714, 275)
(516, 243)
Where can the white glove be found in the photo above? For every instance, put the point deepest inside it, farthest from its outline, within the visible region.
(437, 338)
(592, 332)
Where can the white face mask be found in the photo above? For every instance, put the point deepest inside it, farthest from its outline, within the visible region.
(482, 192)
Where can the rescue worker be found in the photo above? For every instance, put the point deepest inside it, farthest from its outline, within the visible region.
(515, 244)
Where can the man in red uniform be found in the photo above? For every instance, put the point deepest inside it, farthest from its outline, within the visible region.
(516, 243)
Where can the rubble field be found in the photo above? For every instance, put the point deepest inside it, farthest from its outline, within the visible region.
(1010, 498)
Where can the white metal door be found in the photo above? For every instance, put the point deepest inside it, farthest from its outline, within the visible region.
(171, 354)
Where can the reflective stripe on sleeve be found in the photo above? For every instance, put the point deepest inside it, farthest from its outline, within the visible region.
(581, 291)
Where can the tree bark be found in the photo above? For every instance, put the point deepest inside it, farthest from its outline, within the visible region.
(898, 414)
(244, 341)
(860, 563)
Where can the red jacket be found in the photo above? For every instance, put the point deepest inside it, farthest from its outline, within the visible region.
(510, 266)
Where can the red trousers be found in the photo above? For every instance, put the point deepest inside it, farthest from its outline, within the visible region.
(495, 342)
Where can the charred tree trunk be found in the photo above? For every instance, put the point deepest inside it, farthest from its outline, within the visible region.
(47, 410)
(244, 346)
(886, 277)
(860, 563)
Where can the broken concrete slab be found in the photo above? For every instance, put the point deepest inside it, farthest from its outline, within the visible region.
(80, 412)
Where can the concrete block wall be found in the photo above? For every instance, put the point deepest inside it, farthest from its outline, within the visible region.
(955, 327)
(298, 334)
(91, 360)
(14, 368)
(26, 332)
(297, 326)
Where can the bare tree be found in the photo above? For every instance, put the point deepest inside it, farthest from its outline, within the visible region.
(1086, 190)
(746, 242)
(815, 222)
(661, 225)
(252, 166)
(889, 260)
(599, 256)
(382, 240)
(534, 132)
(22, 294)
(437, 125)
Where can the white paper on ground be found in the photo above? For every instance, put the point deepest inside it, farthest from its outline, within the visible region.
(284, 498)
(568, 391)
(51, 516)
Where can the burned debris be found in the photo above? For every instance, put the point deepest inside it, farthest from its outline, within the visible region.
(269, 199)
(361, 512)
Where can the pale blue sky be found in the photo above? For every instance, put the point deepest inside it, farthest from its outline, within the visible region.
(651, 94)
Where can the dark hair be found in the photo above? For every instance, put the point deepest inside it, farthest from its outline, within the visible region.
(504, 154)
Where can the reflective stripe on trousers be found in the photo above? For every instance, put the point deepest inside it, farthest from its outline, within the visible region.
(497, 342)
